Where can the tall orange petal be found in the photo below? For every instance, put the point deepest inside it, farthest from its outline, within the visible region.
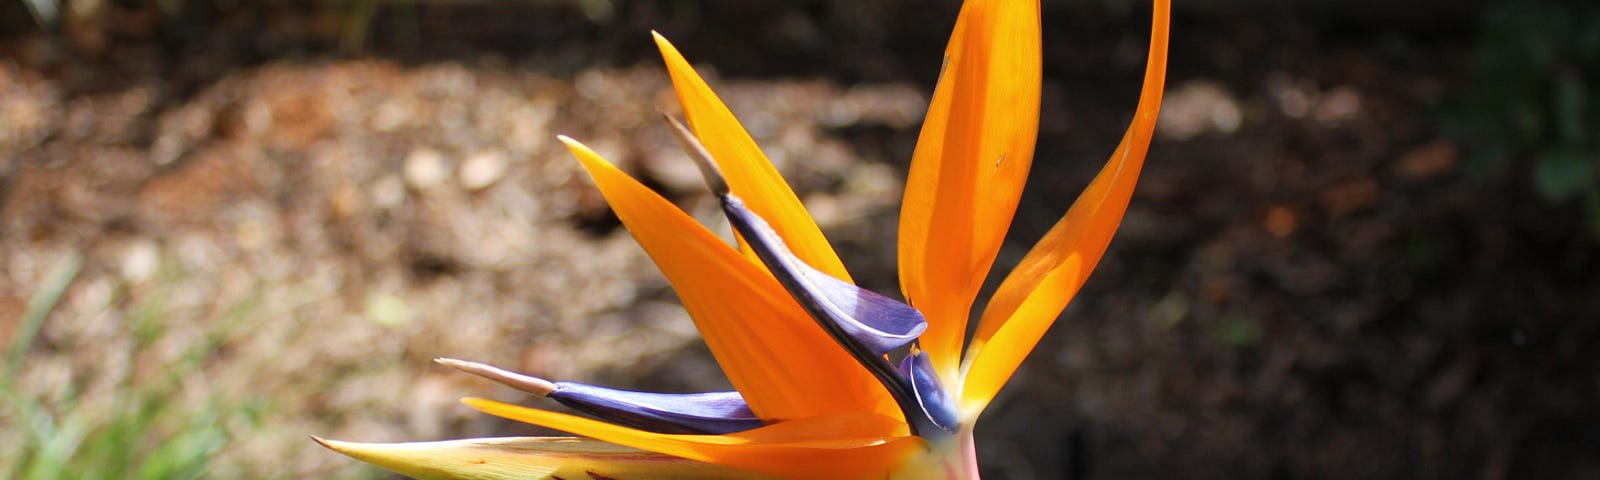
(1034, 294)
(816, 448)
(969, 167)
(749, 174)
(772, 352)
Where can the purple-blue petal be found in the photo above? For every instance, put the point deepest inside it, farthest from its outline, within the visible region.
(878, 323)
(930, 392)
(692, 413)
(865, 324)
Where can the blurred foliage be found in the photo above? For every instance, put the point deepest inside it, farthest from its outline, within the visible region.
(144, 431)
(351, 21)
(49, 12)
(46, 12)
(1532, 111)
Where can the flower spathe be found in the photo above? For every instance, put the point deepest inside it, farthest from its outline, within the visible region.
(802, 346)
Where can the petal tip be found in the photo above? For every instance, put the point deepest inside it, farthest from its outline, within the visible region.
(662, 42)
(529, 384)
(571, 143)
(366, 452)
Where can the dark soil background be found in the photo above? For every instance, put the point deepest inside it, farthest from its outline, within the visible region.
(1314, 280)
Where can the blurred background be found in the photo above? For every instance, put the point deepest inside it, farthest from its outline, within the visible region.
(1364, 245)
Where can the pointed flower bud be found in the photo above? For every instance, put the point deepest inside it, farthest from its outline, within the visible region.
(874, 322)
(866, 324)
(693, 413)
(711, 412)
(878, 323)
(931, 395)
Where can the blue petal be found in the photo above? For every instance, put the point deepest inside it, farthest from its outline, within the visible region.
(865, 324)
(876, 322)
(695, 413)
(931, 395)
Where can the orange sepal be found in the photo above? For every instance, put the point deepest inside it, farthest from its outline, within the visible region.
(969, 167)
(748, 172)
(1034, 294)
(772, 352)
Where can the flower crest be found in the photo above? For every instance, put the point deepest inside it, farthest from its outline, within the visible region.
(817, 394)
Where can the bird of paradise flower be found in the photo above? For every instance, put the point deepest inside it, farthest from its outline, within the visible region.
(807, 351)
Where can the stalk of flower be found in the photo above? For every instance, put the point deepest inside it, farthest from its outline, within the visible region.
(818, 392)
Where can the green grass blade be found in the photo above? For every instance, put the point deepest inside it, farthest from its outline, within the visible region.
(39, 307)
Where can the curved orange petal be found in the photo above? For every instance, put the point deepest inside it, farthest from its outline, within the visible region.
(1034, 294)
(772, 352)
(969, 167)
(816, 448)
(749, 174)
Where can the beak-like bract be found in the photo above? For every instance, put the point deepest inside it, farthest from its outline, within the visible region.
(819, 394)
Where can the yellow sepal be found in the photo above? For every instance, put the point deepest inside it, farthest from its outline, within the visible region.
(530, 458)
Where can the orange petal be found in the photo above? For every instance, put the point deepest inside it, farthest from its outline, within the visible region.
(815, 448)
(970, 164)
(749, 174)
(772, 352)
(1034, 294)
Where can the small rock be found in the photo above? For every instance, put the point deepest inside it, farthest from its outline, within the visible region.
(426, 168)
(1198, 107)
(387, 310)
(345, 201)
(1339, 105)
(387, 192)
(1350, 196)
(482, 169)
(1294, 97)
(252, 235)
(392, 115)
(1280, 221)
(1427, 161)
(140, 260)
